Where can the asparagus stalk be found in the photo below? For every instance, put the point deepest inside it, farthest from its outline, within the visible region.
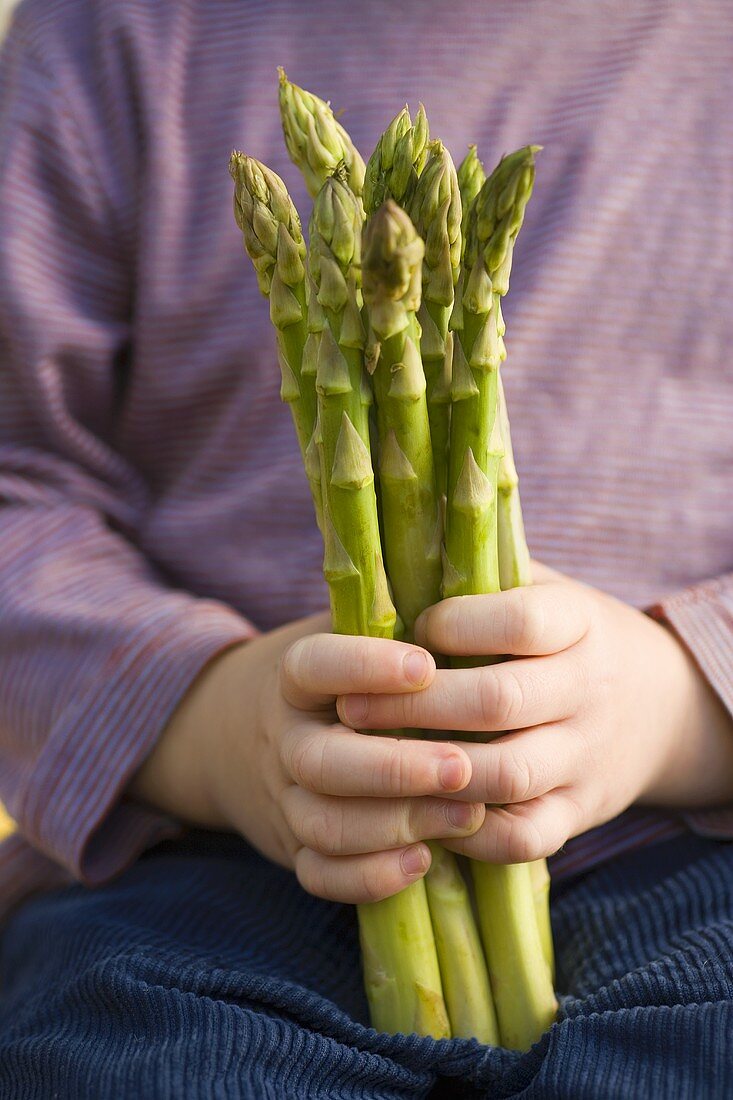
(393, 169)
(316, 141)
(462, 965)
(274, 241)
(540, 876)
(401, 971)
(514, 560)
(520, 981)
(471, 559)
(520, 977)
(436, 212)
(515, 570)
(360, 602)
(393, 255)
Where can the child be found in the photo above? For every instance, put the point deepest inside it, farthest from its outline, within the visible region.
(166, 661)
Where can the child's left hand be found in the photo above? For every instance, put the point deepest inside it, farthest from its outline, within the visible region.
(603, 707)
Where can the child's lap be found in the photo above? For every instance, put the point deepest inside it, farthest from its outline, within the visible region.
(206, 972)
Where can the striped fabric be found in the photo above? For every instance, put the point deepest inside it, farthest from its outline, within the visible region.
(154, 506)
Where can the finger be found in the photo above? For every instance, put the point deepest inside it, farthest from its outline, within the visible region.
(333, 759)
(533, 621)
(524, 764)
(526, 831)
(317, 668)
(507, 696)
(353, 826)
(355, 880)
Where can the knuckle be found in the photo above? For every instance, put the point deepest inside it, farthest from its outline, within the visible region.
(501, 698)
(411, 822)
(524, 842)
(448, 621)
(360, 667)
(395, 771)
(294, 660)
(322, 830)
(290, 812)
(306, 761)
(514, 777)
(310, 875)
(371, 885)
(529, 622)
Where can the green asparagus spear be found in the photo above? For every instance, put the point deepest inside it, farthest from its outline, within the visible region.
(514, 561)
(393, 255)
(393, 169)
(540, 876)
(360, 602)
(471, 558)
(274, 241)
(316, 141)
(401, 972)
(436, 212)
(462, 965)
(471, 178)
(515, 570)
(520, 980)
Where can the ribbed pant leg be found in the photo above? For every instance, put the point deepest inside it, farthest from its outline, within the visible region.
(202, 972)
(206, 972)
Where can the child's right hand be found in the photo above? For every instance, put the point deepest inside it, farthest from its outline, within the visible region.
(256, 747)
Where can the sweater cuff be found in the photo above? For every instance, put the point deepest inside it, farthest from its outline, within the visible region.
(702, 617)
(74, 810)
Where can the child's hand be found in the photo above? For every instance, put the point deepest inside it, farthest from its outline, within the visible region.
(605, 707)
(256, 747)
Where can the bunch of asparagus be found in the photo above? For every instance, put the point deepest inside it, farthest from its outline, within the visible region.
(390, 340)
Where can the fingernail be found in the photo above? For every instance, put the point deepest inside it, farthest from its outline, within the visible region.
(416, 667)
(414, 860)
(354, 708)
(460, 815)
(452, 774)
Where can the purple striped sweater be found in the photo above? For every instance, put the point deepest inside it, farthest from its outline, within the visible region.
(154, 509)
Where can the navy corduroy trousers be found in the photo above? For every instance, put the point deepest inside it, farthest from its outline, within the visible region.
(205, 972)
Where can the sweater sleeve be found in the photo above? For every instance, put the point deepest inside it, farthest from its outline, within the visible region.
(702, 617)
(96, 648)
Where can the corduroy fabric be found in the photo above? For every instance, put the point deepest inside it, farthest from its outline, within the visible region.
(204, 972)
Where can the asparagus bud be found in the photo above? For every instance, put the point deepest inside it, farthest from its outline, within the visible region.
(261, 206)
(394, 167)
(315, 140)
(471, 178)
